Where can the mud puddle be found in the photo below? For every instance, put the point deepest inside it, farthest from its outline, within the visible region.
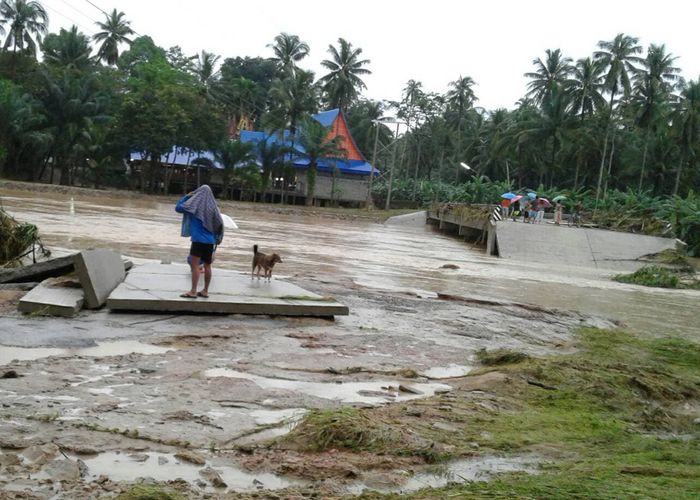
(451, 371)
(166, 467)
(102, 349)
(347, 392)
(458, 471)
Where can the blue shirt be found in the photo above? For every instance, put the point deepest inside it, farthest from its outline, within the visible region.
(199, 233)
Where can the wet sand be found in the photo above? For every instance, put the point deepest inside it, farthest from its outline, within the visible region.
(220, 382)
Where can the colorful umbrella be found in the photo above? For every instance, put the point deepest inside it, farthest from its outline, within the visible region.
(513, 200)
(546, 202)
(532, 195)
(559, 198)
(508, 196)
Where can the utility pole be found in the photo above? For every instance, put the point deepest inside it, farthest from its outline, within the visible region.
(369, 203)
(391, 170)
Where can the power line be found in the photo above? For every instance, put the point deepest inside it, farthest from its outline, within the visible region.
(108, 15)
(88, 30)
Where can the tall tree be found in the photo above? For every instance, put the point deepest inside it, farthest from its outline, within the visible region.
(205, 69)
(115, 31)
(26, 20)
(618, 57)
(550, 73)
(654, 82)
(233, 154)
(292, 99)
(67, 50)
(343, 83)
(289, 50)
(586, 87)
(21, 136)
(315, 145)
(686, 121)
(460, 98)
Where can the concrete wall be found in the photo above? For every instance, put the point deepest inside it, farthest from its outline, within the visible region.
(347, 187)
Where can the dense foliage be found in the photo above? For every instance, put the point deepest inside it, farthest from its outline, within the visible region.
(618, 125)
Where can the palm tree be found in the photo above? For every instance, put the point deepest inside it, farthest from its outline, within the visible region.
(461, 97)
(292, 98)
(585, 87)
(343, 84)
(550, 127)
(551, 72)
(273, 161)
(115, 30)
(25, 19)
(233, 154)
(654, 82)
(19, 128)
(315, 144)
(205, 69)
(72, 103)
(686, 120)
(69, 49)
(289, 50)
(618, 57)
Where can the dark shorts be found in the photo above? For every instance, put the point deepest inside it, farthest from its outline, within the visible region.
(202, 250)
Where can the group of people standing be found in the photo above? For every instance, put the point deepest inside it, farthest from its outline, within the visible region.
(532, 211)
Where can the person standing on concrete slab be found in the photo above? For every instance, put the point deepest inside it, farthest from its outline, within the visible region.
(202, 223)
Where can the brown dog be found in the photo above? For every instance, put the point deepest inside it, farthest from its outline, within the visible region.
(264, 262)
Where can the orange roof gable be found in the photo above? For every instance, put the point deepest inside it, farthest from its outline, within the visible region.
(339, 128)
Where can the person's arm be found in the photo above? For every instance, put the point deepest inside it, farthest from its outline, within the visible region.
(178, 207)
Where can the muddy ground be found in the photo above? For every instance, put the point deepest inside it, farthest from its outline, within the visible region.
(96, 403)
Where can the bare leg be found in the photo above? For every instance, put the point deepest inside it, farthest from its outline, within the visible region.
(194, 267)
(207, 280)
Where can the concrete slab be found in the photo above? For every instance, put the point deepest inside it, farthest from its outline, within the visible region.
(579, 247)
(415, 219)
(157, 287)
(53, 297)
(99, 271)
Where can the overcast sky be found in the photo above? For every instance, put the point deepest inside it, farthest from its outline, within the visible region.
(432, 41)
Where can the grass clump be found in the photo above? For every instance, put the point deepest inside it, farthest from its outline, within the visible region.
(16, 240)
(616, 422)
(500, 357)
(661, 277)
(143, 492)
(344, 428)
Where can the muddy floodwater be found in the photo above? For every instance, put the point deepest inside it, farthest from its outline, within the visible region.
(103, 388)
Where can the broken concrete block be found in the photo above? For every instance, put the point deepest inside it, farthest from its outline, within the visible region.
(53, 297)
(99, 271)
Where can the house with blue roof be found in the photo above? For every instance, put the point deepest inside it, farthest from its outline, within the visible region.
(342, 180)
(339, 180)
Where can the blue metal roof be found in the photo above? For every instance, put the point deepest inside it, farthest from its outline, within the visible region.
(326, 118)
(183, 156)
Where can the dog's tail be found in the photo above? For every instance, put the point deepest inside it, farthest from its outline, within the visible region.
(255, 249)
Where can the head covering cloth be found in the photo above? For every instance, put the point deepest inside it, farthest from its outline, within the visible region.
(202, 205)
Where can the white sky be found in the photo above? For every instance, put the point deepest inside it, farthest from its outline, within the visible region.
(432, 41)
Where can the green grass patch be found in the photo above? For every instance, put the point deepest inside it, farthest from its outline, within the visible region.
(615, 427)
(661, 277)
(344, 428)
(143, 492)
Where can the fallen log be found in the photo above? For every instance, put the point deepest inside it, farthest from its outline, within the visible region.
(39, 271)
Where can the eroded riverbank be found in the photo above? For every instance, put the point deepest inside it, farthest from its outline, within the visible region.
(410, 320)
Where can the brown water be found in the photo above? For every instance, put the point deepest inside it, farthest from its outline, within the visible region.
(385, 257)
